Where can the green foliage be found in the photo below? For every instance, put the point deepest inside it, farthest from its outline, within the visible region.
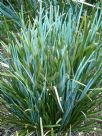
(12, 9)
(50, 74)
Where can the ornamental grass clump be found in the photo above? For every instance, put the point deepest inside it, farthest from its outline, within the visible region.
(51, 74)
